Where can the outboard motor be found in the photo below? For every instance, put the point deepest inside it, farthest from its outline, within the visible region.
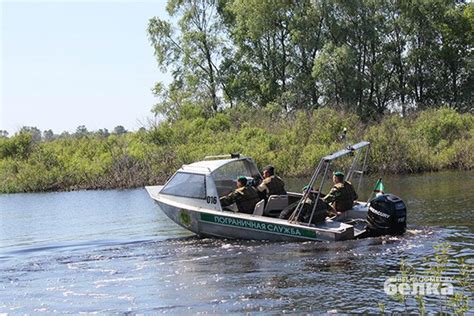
(387, 215)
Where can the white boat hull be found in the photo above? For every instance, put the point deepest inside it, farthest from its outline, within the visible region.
(224, 224)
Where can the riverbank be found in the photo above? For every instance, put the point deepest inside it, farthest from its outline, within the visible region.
(429, 140)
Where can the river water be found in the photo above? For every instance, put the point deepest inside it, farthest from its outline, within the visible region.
(116, 252)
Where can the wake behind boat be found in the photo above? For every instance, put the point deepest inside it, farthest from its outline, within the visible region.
(191, 199)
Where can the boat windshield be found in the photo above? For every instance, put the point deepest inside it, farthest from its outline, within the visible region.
(186, 185)
(225, 176)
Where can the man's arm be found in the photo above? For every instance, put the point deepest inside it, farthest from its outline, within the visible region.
(263, 187)
(332, 195)
(228, 199)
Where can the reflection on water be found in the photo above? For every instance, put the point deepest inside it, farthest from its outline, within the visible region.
(114, 251)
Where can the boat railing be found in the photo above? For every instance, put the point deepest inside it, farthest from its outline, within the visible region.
(358, 167)
(346, 151)
(224, 156)
(190, 167)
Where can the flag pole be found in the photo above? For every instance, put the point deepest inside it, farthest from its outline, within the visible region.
(373, 190)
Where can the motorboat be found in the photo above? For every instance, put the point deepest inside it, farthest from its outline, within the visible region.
(191, 198)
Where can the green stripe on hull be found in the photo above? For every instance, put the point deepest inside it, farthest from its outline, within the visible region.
(266, 227)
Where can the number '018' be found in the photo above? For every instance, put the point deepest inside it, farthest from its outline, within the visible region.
(211, 199)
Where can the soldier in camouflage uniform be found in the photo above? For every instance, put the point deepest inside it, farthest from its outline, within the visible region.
(271, 184)
(244, 196)
(342, 194)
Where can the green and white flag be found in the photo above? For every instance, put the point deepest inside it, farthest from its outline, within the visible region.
(379, 188)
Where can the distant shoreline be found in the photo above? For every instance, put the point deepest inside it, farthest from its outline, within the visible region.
(430, 140)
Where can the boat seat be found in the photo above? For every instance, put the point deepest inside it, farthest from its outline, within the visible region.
(275, 204)
(259, 208)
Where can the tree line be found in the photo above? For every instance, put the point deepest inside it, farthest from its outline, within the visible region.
(48, 135)
(427, 140)
(366, 56)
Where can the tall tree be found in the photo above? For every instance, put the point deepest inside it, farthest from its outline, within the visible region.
(457, 38)
(81, 131)
(48, 135)
(354, 69)
(119, 130)
(33, 131)
(192, 49)
(367, 56)
(439, 52)
(397, 33)
(276, 43)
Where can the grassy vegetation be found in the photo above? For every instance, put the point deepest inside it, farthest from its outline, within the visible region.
(437, 269)
(429, 140)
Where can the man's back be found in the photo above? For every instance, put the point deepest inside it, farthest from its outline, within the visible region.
(245, 198)
(272, 185)
(342, 195)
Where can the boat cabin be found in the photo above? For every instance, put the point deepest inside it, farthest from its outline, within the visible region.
(207, 180)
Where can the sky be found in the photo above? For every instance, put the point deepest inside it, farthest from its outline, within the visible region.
(70, 63)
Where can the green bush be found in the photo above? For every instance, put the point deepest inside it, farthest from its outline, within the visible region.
(18, 147)
(294, 143)
(442, 124)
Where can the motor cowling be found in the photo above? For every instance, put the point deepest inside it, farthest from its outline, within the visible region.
(387, 215)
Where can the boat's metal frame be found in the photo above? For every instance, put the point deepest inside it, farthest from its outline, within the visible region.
(360, 151)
